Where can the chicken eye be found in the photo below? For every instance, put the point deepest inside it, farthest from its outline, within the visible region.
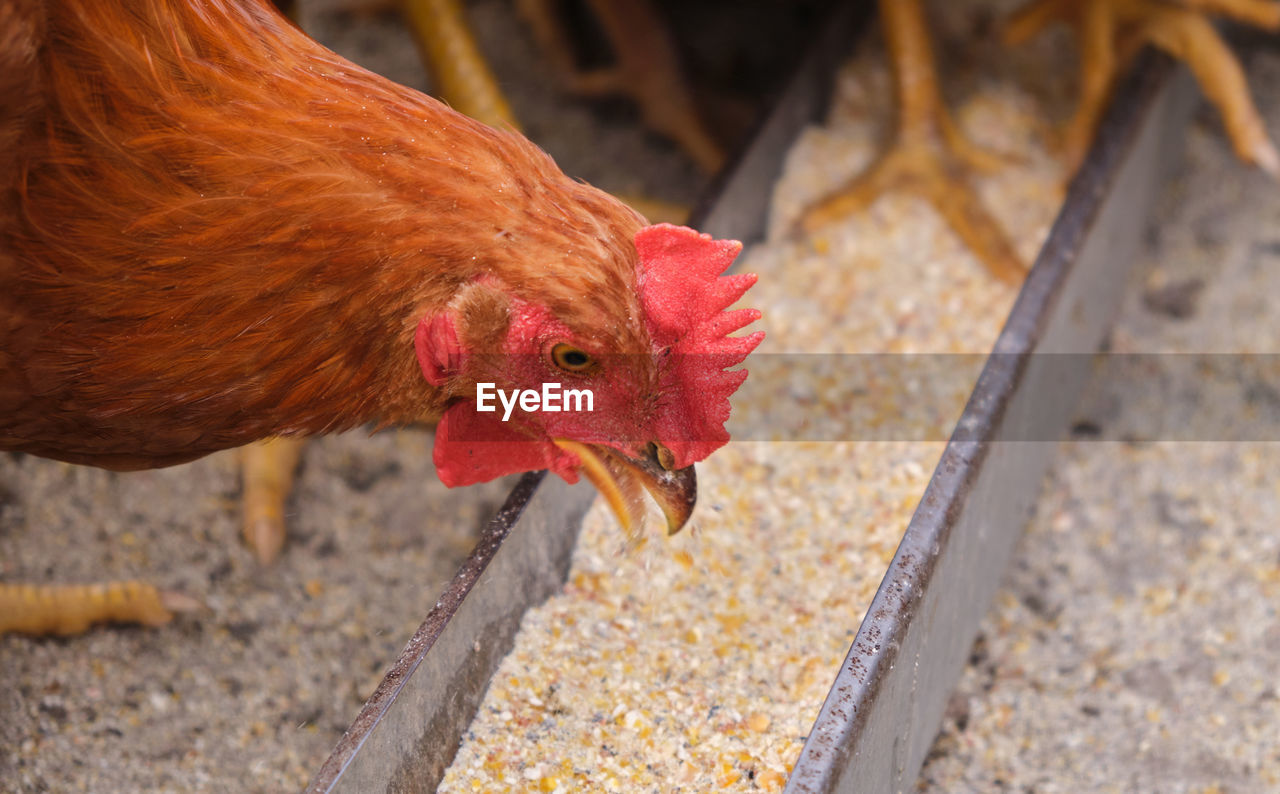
(570, 358)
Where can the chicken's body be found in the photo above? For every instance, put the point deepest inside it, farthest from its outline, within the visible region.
(208, 241)
(213, 230)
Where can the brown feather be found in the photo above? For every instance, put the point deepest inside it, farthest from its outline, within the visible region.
(214, 230)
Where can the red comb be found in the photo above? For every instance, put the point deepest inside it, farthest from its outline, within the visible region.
(684, 299)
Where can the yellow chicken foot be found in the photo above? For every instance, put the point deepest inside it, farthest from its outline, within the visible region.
(1111, 31)
(928, 156)
(71, 609)
(267, 469)
(1263, 14)
(646, 70)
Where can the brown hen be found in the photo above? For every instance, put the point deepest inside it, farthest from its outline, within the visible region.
(213, 230)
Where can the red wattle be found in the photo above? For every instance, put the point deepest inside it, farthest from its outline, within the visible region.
(473, 447)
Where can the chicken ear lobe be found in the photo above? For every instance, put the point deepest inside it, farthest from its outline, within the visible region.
(438, 349)
(475, 319)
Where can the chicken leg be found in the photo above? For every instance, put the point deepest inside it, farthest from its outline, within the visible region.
(646, 70)
(928, 155)
(464, 80)
(267, 469)
(462, 77)
(1111, 31)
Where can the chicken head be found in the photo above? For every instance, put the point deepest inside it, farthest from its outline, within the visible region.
(628, 393)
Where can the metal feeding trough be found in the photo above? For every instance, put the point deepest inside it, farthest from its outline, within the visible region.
(883, 712)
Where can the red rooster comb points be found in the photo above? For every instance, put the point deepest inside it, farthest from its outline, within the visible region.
(684, 298)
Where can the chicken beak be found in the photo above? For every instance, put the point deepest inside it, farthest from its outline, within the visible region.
(615, 475)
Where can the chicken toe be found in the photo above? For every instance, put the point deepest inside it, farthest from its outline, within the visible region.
(928, 155)
(1111, 31)
(64, 610)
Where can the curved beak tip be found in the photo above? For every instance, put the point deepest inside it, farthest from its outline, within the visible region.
(675, 490)
(678, 499)
(613, 474)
